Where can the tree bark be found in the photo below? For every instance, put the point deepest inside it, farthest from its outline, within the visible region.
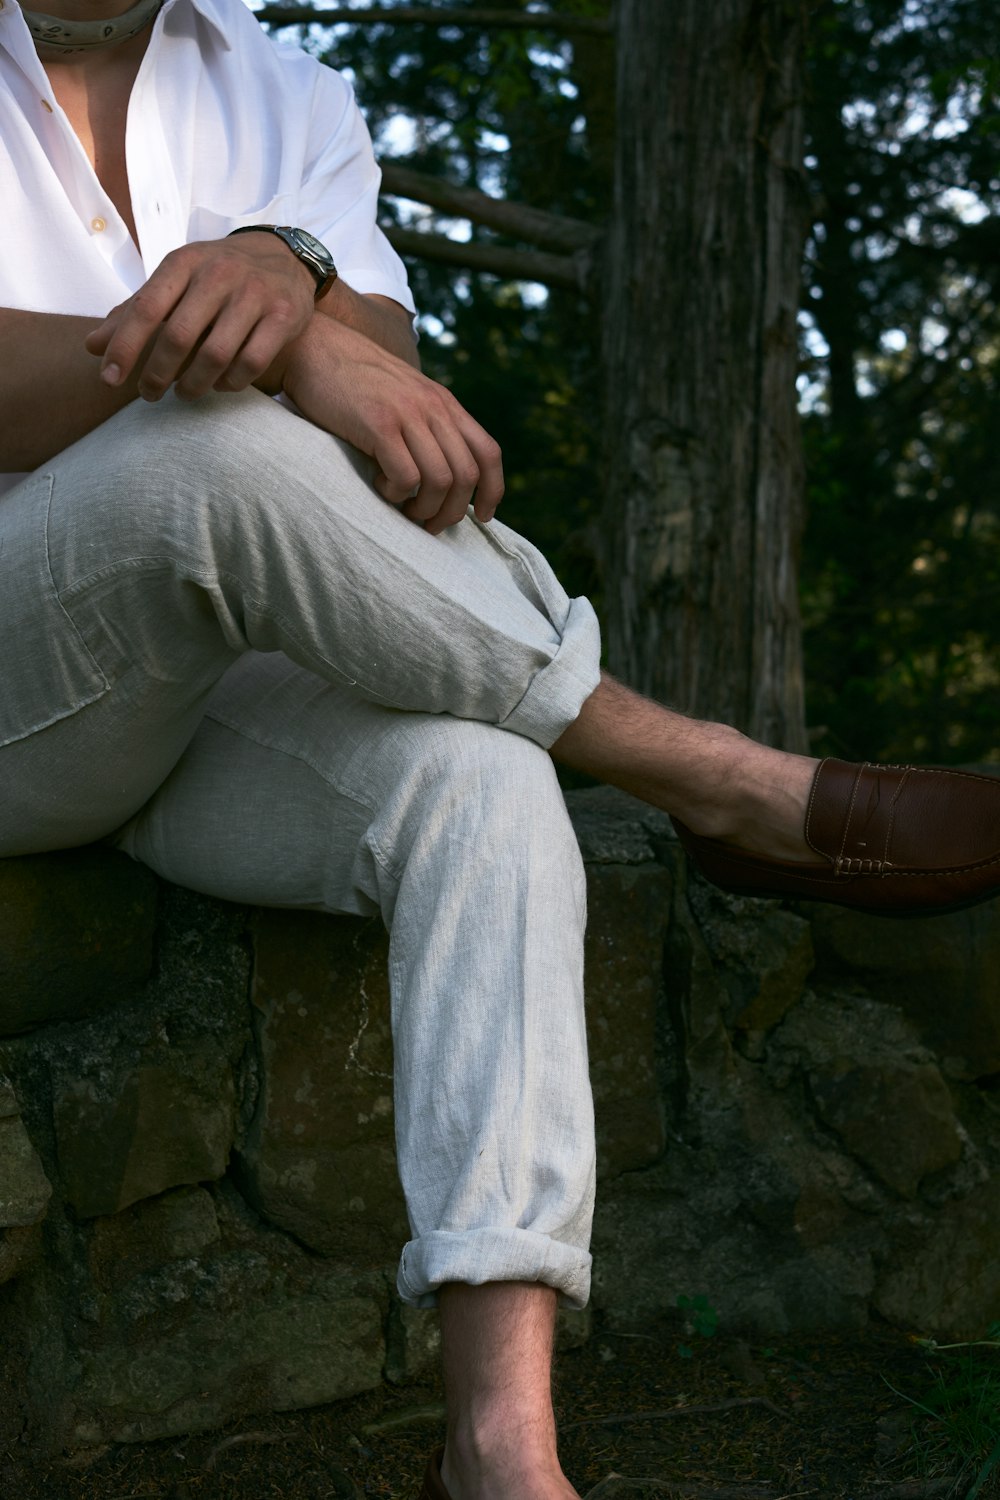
(702, 272)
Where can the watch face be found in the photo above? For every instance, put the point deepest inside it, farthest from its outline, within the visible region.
(312, 246)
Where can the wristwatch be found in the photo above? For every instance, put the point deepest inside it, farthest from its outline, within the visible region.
(311, 252)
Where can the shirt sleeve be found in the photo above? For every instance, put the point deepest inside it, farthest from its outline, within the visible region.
(339, 193)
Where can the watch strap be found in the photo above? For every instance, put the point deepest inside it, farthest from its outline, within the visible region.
(321, 266)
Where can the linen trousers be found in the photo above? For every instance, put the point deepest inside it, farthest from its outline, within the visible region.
(224, 653)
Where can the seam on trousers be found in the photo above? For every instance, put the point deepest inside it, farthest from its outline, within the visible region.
(317, 770)
(512, 553)
(66, 713)
(99, 670)
(141, 563)
(250, 602)
(98, 683)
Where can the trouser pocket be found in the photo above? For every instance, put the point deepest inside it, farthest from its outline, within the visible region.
(47, 673)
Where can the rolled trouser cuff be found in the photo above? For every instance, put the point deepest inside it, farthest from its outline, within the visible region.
(556, 694)
(477, 1256)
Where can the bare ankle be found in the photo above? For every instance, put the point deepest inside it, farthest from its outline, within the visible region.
(497, 1342)
(507, 1472)
(503, 1444)
(763, 804)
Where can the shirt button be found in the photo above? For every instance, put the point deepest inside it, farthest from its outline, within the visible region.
(97, 225)
(47, 105)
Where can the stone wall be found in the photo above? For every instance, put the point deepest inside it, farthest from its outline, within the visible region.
(798, 1114)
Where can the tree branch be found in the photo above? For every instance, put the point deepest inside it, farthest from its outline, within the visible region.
(425, 15)
(619, 1418)
(514, 265)
(555, 231)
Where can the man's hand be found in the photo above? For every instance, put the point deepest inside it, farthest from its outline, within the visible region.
(432, 456)
(213, 316)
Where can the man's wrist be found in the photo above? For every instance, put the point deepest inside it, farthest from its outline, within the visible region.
(272, 381)
(281, 372)
(381, 319)
(310, 252)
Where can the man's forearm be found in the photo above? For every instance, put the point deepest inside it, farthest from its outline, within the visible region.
(50, 390)
(384, 321)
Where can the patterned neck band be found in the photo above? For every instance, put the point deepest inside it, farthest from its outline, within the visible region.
(83, 36)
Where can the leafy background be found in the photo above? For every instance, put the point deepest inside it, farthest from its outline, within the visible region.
(900, 333)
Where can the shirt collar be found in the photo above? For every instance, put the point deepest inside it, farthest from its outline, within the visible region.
(218, 13)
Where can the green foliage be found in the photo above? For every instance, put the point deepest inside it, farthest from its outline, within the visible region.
(957, 1417)
(901, 575)
(700, 1318)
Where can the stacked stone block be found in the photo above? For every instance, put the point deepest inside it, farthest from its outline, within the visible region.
(199, 1211)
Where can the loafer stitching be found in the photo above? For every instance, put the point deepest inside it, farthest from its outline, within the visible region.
(836, 860)
(809, 811)
(892, 812)
(847, 868)
(842, 864)
(850, 810)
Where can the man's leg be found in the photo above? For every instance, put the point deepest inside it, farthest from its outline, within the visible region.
(297, 793)
(720, 783)
(497, 1343)
(151, 555)
(132, 578)
(894, 840)
(169, 543)
(173, 539)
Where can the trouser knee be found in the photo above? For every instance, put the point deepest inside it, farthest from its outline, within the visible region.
(484, 805)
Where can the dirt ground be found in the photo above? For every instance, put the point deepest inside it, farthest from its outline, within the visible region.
(637, 1418)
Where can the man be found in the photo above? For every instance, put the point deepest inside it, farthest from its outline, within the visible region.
(273, 655)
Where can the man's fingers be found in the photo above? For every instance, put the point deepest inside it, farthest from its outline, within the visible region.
(200, 320)
(196, 319)
(437, 477)
(477, 473)
(98, 338)
(486, 452)
(433, 457)
(231, 355)
(135, 322)
(398, 475)
(257, 352)
(465, 476)
(430, 468)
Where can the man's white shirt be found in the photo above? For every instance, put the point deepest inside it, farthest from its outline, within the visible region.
(225, 127)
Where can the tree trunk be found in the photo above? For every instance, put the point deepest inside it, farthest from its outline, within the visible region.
(701, 280)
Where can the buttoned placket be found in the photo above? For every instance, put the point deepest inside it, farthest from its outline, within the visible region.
(160, 220)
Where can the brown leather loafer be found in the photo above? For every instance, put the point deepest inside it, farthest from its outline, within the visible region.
(433, 1485)
(896, 841)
